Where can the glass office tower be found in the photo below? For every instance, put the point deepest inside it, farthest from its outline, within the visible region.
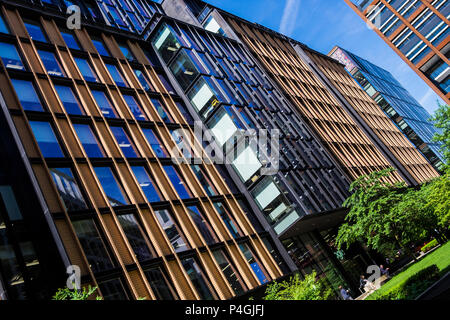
(396, 102)
(418, 31)
(98, 124)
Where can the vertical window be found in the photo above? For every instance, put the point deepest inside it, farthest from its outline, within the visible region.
(143, 80)
(166, 117)
(228, 220)
(230, 271)
(166, 83)
(69, 100)
(116, 75)
(104, 104)
(93, 245)
(89, 141)
(98, 44)
(68, 189)
(155, 143)
(70, 40)
(135, 235)
(86, 70)
(198, 279)
(10, 56)
(174, 235)
(27, 95)
(46, 139)
(35, 31)
(126, 52)
(184, 69)
(160, 284)
(204, 180)
(254, 263)
(134, 107)
(148, 187)
(111, 187)
(177, 182)
(3, 26)
(187, 116)
(51, 63)
(166, 43)
(113, 290)
(128, 148)
(202, 224)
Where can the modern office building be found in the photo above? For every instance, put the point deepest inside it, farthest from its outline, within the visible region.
(105, 119)
(398, 104)
(418, 31)
(356, 133)
(96, 126)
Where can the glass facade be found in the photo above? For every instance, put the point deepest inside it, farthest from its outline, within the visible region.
(423, 40)
(398, 104)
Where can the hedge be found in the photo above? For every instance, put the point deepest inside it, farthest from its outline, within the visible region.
(414, 285)
(430, 245)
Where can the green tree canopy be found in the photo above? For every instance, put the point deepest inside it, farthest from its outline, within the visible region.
(385, 216)
(441, 120)
(296, 289)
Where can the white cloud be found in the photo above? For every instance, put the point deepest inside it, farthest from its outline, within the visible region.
(288, 20)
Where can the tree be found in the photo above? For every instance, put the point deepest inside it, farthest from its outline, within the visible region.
(441, 120)
(68, 294)
(437, 193)
(385, 216)
(297, 289)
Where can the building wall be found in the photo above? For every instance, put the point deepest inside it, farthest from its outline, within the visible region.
(106, 252)
(409, 116)
(383, 127)
(418, 31)
(339, 132)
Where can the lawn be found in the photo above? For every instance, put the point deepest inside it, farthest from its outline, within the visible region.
(439, 257)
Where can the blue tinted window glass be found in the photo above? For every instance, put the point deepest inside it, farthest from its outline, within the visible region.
(178, 184)
(146, 184)
(166, 83)
(143, 80)
(86, 70)
(115, 74)
(68, 99)
(104, 104)
(202, 225)
(51, 64)
(227, 219)
(70, 40)
(156, 145)
(124, 142)
(88, 140)
(134, 107)
(100, 48)
(162, 111)
(3, 27)
(46, 139)
(35, 32)
(170, 228)
(27, 95)
(126, 52)
(10, 56)
(110, 186)
(68, 189)
(254, 264)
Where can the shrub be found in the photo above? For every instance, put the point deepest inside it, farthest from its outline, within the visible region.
(412, 287)
(297, 289)
(430, 245)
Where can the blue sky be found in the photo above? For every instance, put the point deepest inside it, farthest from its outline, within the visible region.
(321, 24)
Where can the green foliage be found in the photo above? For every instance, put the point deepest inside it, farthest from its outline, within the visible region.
(441, 120)
(297, 289)
(430, 245)
(437, 193)
(68, 294)
(412, 287)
